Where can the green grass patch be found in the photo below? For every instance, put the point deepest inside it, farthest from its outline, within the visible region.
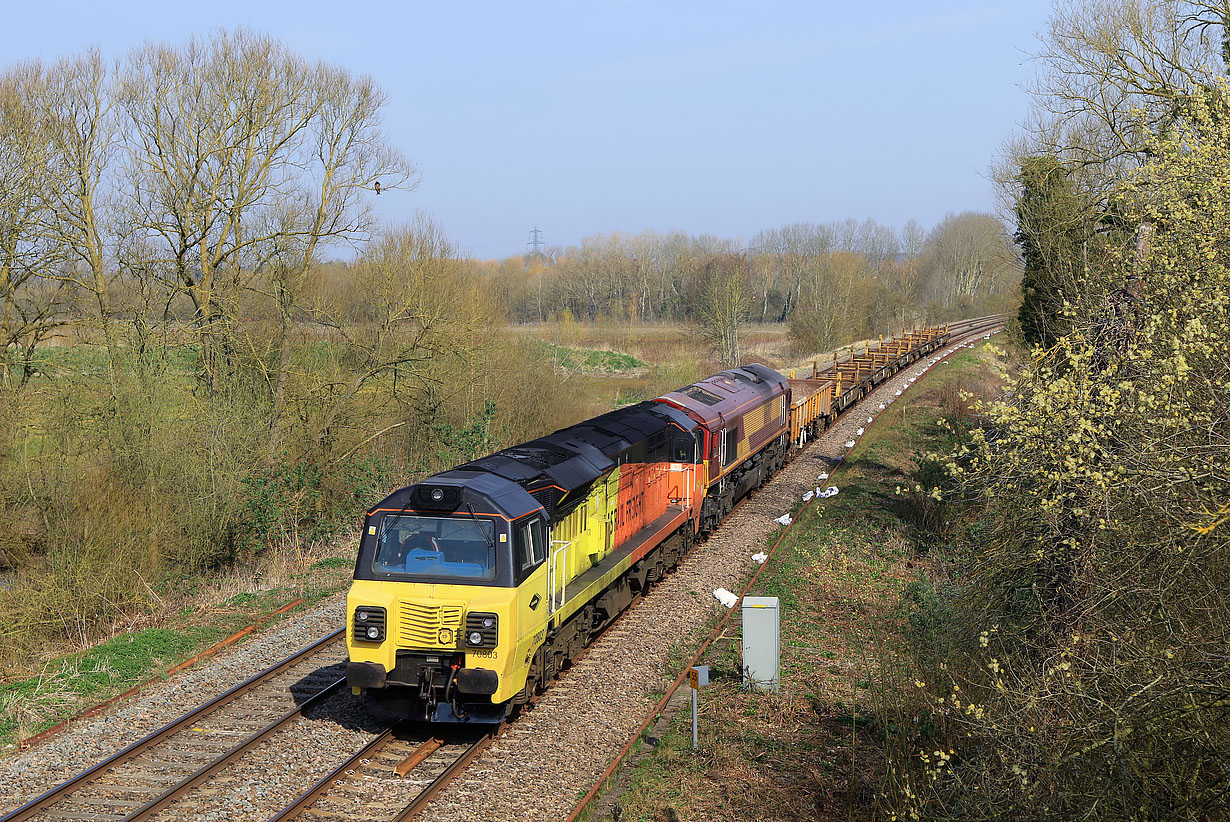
(34, 703)
(332, 562)
(594, 360)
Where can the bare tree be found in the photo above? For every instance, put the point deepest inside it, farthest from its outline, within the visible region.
(827, 301)
(723, 305)
(968, 263)
(423, 320)
(242, 159)
(1114, 71)
(78, 103)
(344, 156)
(29, 257)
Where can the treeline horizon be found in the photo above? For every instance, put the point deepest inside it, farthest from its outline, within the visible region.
(845, 278)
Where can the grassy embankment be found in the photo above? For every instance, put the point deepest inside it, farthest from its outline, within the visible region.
(815, 749)
(65, 684)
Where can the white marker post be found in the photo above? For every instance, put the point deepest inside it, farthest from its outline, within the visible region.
(694, 681)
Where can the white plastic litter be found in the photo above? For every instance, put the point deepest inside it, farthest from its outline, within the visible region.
(882, 406)
(859, 432)
(869, 419)
(808, 496)
(726, 597)
(818, 490)
(898, 392)
(784, 519)
(849, 443)
(822, 475)
(831, 491)
(759, 558)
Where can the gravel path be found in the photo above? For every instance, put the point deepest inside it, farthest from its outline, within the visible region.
(551, 755)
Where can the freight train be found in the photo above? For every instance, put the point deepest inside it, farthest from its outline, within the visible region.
(474, 587)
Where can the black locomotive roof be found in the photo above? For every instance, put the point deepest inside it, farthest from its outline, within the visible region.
(617, 431)
(485, 493)
(554, 472)
(558, 470)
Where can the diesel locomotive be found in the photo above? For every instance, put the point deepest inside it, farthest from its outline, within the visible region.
(474, 587)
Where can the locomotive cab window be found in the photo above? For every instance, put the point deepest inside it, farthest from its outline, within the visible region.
(682, 449)
(730, 445)
(438, 547)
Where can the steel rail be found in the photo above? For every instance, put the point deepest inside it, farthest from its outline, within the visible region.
(45, 801)
(441, 782)
(188, 783)
(308, 799)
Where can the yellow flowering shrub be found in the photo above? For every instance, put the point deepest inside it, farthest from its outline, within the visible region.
(1091, 587)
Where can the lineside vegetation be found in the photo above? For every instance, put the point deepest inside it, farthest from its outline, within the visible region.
(1073, 662)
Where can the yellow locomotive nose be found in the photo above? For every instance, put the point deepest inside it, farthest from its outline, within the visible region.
(444, 641)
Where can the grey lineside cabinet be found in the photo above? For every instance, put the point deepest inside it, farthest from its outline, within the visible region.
(761, 642)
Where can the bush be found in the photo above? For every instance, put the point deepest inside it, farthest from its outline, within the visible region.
(299, 502)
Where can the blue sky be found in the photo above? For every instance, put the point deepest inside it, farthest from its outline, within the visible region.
(585, 118)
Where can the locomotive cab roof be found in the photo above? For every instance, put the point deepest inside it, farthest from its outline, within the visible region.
(461, 492)
(714, 400)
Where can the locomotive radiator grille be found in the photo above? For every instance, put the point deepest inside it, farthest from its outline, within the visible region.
(423, 625)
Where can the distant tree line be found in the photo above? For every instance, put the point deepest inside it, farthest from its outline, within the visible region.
(828, 280)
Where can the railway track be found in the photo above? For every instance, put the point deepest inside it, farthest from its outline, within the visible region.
(139, 781)
(390, 779)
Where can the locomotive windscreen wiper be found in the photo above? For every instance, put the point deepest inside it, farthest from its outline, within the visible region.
(483, 531)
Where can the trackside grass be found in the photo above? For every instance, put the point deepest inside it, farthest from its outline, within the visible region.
(815, 749)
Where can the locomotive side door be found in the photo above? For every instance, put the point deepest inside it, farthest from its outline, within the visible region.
(530, 560)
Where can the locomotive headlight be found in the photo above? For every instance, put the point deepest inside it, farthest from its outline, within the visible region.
(482, 630)
(369, 623)
(437, 494)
